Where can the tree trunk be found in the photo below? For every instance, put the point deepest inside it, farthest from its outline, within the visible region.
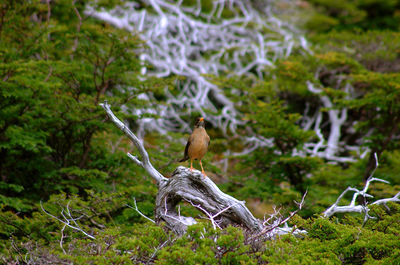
(202, 193)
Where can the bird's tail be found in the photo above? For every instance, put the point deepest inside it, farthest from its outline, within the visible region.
(184, 159)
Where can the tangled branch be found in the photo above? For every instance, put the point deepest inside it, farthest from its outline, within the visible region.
(192, 42)
(68, 221)
(271, 226)
(364, 208)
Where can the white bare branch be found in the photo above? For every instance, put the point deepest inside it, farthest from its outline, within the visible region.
(272, 225)
(352, 207)
(62, 239)
(145, 163)
(157, 249)
(182, 220)
(184, 40)
(139, 212)
(68, 220)
(395, 198)
(337, 118)
(211, 216)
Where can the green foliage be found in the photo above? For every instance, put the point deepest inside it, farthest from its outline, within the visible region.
(375, 50)
(331, 243)
(52, 83)
(202, 245)
(335, 241)
(358, 14)
(323, 229)
(129, 245)
(380, 105)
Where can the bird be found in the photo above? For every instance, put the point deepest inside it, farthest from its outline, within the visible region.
(197, 144)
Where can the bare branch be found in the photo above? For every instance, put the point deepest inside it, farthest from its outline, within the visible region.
(376, 167)
(137, 210)
(78, 26)
(337, 118)
(62, 238)
(182, 220)
(395, 198)
(352, 207)
(157, 249)
(270, 230)
(135, 159)
(211, 217)
(182, 40)
(145, 163)
(67, 221)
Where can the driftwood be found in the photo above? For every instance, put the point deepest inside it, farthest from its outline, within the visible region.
(192, 187)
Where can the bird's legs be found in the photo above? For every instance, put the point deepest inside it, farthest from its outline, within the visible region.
(191, 165)
(202, 170)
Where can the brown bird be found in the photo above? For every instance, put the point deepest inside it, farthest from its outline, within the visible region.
(197, 144)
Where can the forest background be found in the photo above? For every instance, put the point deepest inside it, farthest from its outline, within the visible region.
(310, 117)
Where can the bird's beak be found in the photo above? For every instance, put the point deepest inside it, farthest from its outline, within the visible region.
(201, 119)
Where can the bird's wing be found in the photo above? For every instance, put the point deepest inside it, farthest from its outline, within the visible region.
(208, 142)
(186, 155)
(187, 148)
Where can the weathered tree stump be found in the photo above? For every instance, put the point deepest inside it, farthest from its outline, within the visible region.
(202, 193)
(192, 187)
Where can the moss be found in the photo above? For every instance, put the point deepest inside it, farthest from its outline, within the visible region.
(323, 229)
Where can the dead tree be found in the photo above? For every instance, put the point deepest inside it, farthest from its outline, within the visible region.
(184, 185)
